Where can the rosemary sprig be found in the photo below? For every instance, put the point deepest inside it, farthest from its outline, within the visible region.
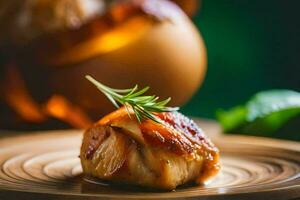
(142, 106)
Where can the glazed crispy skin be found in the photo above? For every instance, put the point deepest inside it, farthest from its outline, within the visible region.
(119, 149)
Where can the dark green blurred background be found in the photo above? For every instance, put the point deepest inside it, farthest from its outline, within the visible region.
(252, 46)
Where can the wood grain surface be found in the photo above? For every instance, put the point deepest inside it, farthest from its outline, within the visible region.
(45, 165)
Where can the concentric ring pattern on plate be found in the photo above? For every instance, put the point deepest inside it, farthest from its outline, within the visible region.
(45, 164)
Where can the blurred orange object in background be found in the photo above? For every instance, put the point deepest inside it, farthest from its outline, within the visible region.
(121, 43)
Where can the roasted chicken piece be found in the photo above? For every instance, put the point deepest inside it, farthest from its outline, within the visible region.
(158, 155)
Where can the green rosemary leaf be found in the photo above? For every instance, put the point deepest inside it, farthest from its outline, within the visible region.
(143, 107)
(129, 91)
(112, 100)
(164, 102)
(142, 91)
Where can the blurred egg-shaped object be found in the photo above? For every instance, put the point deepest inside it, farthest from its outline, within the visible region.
(189, 6)
(121, 43)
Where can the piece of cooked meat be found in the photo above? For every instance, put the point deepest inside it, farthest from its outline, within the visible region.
(120, 149)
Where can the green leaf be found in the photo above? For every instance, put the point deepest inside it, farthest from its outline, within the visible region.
(232, 119)
(268, 125)
(268, 102)
(267, 113)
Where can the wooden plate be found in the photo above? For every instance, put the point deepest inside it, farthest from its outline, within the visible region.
(45, 165)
